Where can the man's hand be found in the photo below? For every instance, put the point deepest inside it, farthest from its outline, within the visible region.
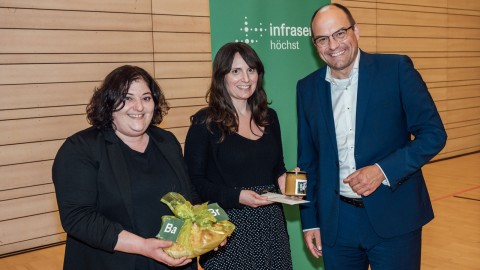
(365, 180)
(313, 241)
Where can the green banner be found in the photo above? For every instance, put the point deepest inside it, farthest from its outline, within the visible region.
(279, 31)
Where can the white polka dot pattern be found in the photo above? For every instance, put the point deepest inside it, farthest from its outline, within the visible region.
(259, 242)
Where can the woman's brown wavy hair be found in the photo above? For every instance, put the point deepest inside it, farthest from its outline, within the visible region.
(110, 96)
(221, 111)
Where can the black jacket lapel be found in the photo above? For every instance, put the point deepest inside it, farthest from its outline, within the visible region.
(119, 168)
(169, 149)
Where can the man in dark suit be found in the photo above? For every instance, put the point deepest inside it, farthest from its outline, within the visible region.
(366, 126)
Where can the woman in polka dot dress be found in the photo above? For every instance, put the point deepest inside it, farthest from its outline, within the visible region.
(234, 153)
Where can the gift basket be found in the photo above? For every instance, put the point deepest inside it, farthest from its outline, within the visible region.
(195, 229)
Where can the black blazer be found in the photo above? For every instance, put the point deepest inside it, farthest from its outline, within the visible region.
(94, 198)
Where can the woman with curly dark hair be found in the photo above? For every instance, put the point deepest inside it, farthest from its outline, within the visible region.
(234, 152)
(109, 178)
(110, 97)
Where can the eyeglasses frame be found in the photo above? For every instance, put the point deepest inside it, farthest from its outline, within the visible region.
(314, 39)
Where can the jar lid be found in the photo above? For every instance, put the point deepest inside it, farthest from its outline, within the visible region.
(296, 172)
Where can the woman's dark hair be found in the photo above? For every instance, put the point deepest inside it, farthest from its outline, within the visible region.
(111, 94)
(221, 111)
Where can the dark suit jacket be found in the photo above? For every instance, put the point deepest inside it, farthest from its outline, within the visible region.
(393, 103)
(94, 195)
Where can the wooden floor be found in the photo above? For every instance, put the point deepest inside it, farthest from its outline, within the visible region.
(452, 239)
(450, 242)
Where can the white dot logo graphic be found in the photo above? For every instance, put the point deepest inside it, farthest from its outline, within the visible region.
(253, 30)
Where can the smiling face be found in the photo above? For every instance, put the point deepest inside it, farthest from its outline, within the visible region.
(338, 55)
(136, 115)
(241, 81)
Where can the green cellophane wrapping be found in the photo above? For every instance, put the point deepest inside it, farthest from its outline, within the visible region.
(200, 232)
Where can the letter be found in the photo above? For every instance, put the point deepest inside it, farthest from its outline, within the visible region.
(295, 46)
(170, 229)
(282, 27)
(215, 212)
(300, 31)
(306, 31)
(293, 31)
(278, 45)
(287, 29)
(276, 31)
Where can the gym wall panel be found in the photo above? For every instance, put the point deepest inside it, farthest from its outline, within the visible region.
(181, 7)
(185, 87)
(52, 56)
(41, 128)
(411, 31)
(438, 93)
(171, 70)
(464, 5)
(182, 42)
(63, 19)
(22, 153)
(464, 91)
(433, 75)
(137, 6)
(414, 18)
(181, 24)
(40, 95)
(74, 41)
(405, 45)
(429, 62)
(426, 3)
(463, 74)
(41, 241)
(46, 188)
(464, 143)
(364, 15)
(58, 73)
(27, 174)
(31, 227)
(27, 206)
(469, 130)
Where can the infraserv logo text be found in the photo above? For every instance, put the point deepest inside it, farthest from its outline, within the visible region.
(281, 35)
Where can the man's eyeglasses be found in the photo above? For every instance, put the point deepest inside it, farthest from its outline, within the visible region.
(340, 35)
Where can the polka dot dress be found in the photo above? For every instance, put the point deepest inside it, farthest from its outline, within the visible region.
(260, 240)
